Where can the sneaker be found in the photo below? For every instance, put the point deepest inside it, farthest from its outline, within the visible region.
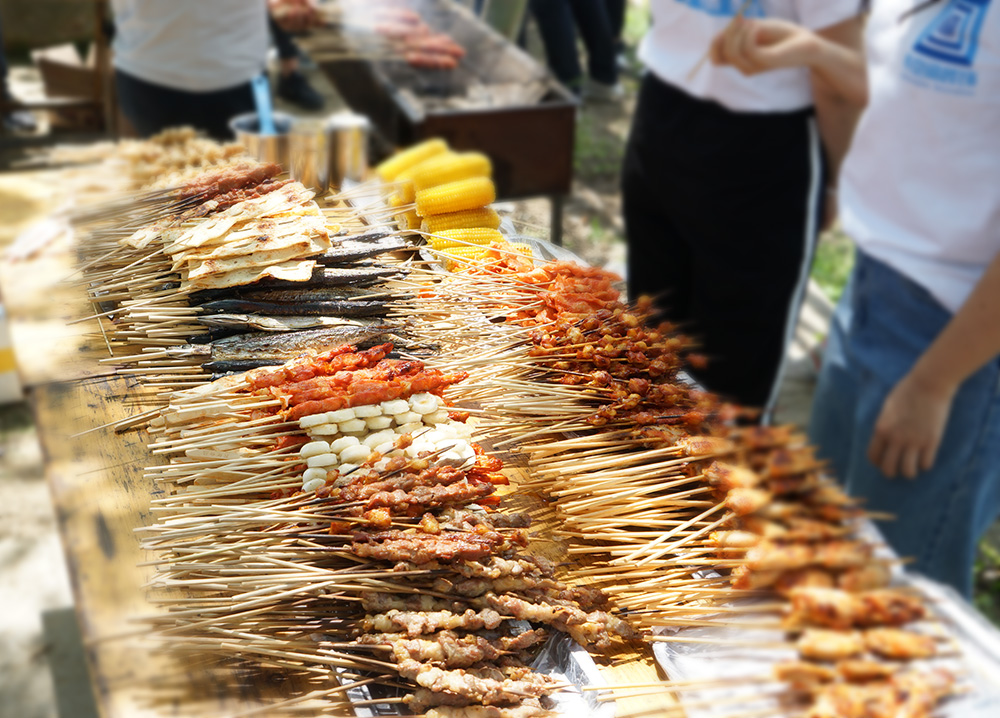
(295, 88)
(603, 92)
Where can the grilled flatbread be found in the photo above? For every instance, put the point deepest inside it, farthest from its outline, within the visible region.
(293, 271)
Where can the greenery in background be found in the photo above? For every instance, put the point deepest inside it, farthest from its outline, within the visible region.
(597, 153)
(637, 20)
(987, 587)
(601, 235)
(833, 263)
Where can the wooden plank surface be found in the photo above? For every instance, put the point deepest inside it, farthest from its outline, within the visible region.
(38, 294)
(101, 498)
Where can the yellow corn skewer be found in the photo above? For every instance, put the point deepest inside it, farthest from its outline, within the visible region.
(481, 236)
(456, 196)
(468, 254)
(404, 193)
(391, 168)
(479, 217)
(449, 167)
(439, 169)
(408, 220)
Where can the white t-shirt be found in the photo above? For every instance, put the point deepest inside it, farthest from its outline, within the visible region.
(191, 45)
(683, 30)
(920, 187)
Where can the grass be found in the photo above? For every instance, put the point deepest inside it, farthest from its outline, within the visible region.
(597, 154)
(833, 263)
(987, 586)
(637, 19)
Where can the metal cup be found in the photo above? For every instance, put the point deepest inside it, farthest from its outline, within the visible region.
(347, 147)
(308, 159)
(266, 148)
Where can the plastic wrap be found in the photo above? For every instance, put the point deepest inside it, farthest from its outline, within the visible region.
(561, 658)
(740, 673)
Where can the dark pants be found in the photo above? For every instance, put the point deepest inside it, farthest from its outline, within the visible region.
(558, 21)
(720, 214)
(616, 17)
(152, 108)
(283, 41)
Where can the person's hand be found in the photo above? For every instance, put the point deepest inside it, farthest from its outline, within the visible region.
(294, 15)
(754, 46)
(909, 428)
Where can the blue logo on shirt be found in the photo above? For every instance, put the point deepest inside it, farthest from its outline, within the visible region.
(944, 52)
(725, 8)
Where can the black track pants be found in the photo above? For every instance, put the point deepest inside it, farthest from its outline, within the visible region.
(152, 108)
(721, 212)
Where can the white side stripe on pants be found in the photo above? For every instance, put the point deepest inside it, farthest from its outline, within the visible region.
(791, 320)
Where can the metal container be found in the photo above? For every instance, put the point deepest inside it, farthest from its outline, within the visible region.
(308, 158)
(531, 146)
(323, 154)
(266, 148)
(347, 147)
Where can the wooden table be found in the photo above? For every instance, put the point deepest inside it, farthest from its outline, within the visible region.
(96, 479)
(101, 498)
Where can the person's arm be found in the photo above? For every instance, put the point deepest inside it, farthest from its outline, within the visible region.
(839, 83)
(833, 56)
(294, 15)
(911, 423)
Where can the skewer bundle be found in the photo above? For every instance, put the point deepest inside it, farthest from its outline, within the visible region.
(322, 510)
(387, 568)
(248, 271)
(668, 510)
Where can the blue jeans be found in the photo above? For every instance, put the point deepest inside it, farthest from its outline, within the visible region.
(883, 323)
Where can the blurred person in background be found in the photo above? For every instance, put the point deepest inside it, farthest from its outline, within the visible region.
(616, 18)
(558, 22)
(14, 120)
(910, 385)
(292, 86)
(725, 177)
(191, 62)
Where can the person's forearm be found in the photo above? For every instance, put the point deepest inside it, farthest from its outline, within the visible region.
(969, 341)
(835, 119)
(839, 83)
(836, 68)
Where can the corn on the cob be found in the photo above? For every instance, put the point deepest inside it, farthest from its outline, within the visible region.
(389, 169)
(463, 255)
(406, 188)
(456, 196)
(481, 236)
(479, 217)
(404, 192)
(450, 167)
(408, 220)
